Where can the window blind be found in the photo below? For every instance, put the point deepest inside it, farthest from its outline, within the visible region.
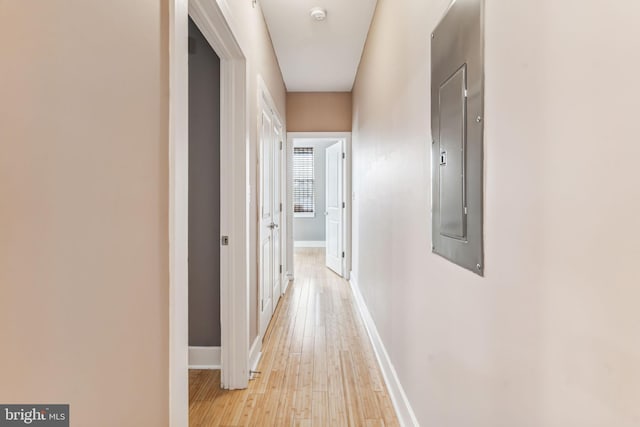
(303, 180)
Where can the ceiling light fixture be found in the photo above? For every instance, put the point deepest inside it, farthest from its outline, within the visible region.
(318, 14)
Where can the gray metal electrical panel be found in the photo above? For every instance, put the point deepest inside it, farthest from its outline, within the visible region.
(457, 118)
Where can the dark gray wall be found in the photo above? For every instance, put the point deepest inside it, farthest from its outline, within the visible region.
(204, 191)
(313, 229)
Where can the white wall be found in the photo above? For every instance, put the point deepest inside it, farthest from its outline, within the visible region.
(550, 336)
(313, 228)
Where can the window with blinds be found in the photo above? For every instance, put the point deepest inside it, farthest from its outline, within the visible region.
(303, 182)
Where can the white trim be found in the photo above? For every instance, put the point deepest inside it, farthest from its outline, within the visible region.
(288, 278)
(405, 414)
(288, 203)
(255, 354)
(309, 244)
(204, 357)
(231, 22)
(178, 214)
(214, 23)
(304, 214)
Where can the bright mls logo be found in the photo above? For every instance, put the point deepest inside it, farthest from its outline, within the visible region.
(34, 415)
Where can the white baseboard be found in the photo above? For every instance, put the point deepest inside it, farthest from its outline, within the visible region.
(255, 353)
(288, 278)
(204, 357)
(309, 244)
(405, 414)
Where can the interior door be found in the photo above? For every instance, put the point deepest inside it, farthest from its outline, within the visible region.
(335, 208)
(277, 211)
(265, 263)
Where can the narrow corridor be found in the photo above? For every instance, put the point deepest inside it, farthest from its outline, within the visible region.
(317, 367)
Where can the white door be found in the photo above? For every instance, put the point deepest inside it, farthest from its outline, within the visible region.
(270, 270)
(277, 210)
(335, 208)
(265, 264)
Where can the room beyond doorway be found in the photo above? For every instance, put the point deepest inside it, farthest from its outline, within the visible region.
(204, 201)
(319, 196)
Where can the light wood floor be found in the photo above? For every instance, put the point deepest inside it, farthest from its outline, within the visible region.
(317, 367)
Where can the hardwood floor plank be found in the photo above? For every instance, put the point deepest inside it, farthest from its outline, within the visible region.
(386, 408)
(320, 409)
(286, 412)
(302, 422)
(337, 410)
(320, 373)
(247, 410)
(257, 414)
(302, 403)
(355, 414)
(233, 409)
(291, 372)
(305, 379)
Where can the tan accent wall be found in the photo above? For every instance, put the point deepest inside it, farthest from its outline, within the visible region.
(550, 336)
(84, 276)
(319, 111)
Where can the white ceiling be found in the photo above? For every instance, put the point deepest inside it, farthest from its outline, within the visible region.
(318, 56)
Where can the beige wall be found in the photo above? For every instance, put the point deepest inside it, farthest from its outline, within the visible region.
(319, 111)
(83, 218)
(261, 61)
(550, 336)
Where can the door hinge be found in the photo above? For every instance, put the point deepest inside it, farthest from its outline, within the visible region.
(281, 145)
(280, 268)
(344, 205)
(224, 240)
(280, 207)
(342, 254)
(344, 156)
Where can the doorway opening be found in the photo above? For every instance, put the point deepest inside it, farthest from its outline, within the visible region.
(204, 202)
(319, 196)
(213, 23)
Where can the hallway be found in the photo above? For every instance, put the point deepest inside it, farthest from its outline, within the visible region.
(317, 366)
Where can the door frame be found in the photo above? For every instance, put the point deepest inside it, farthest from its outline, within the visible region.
(214, 20)
(346, 218)
(265, 99)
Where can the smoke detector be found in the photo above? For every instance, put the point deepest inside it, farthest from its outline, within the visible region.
(318, 14)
